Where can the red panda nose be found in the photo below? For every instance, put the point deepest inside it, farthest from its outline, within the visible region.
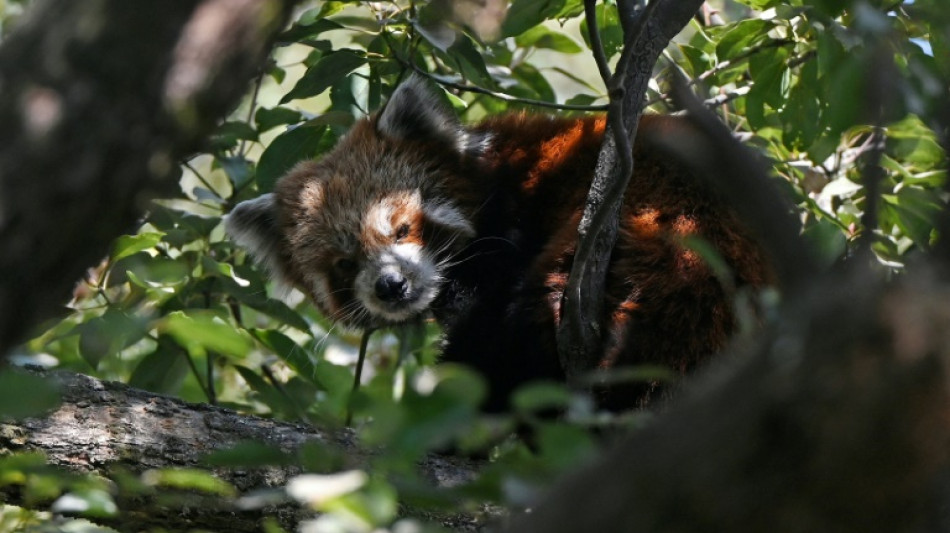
(391, 287)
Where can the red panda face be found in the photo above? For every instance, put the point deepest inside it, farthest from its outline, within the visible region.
(368, 230)
(377, 259)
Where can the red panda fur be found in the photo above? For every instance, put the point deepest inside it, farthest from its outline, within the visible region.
(511, 190)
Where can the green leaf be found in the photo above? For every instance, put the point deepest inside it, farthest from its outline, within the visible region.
(266, 393)
(912, 141)
(224, 270)
(841, 187)
(469, 61)
(845, 91)
(582, 99)
(200, 331)
(307, 29)
(277, 73)
(526, 14)
(530, 78)
(699, 61)
(544, 37)
(248, 454)
(740, 36)
(286, 151)
(917, 210)
(269, 118)
(289, 351)
(540, 396)
(188, 479)
(770, 77)
(127, 245)
(563, 446)
(940, 44)
(23, 394)
(238, 169)
(329, 69)
(279, 310)
(800, 116)
(230, 133)
(828, 243)
(108, 334)
(611, 32)
(760, 4)
(335, 379)
(161, 371)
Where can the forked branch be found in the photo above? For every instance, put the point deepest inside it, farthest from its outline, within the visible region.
(646, 36)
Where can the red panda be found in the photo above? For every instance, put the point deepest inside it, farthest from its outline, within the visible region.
(413, 213)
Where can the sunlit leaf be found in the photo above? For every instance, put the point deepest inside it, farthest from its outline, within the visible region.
(200, 331)
(188, 479)
(127, 245)
(238, 169)
(285, 151)
(331, 68)
(544, 37)
(525, 14)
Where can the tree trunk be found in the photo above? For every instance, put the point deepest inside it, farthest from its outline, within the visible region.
(103, 426)
(98, 103)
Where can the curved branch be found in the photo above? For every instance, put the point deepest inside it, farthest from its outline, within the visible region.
(578, 339)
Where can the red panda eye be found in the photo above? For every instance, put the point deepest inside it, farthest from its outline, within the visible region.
(345, 266)
(402, 232)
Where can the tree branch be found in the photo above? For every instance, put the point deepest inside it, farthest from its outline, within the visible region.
(645, 39)
(103, 426)
(93, 120)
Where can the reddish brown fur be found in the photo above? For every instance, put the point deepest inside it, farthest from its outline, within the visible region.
(524, 195)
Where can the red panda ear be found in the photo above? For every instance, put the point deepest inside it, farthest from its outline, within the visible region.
(415, 112)
(253, 225)
(444, 214)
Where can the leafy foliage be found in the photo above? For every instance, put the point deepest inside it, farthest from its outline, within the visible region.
(176, 308)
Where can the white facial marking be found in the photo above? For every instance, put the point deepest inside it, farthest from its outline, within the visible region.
(378, 218)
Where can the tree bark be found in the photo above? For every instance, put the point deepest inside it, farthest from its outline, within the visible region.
(839, 420)
(98, 103)
(103, 426)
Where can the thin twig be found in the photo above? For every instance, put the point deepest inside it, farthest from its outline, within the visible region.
(201, 178)
(596, 45)
(712, 102)
(358, 373)
(487, 92)
(251, 107)
(194, 370)
(879, 93)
